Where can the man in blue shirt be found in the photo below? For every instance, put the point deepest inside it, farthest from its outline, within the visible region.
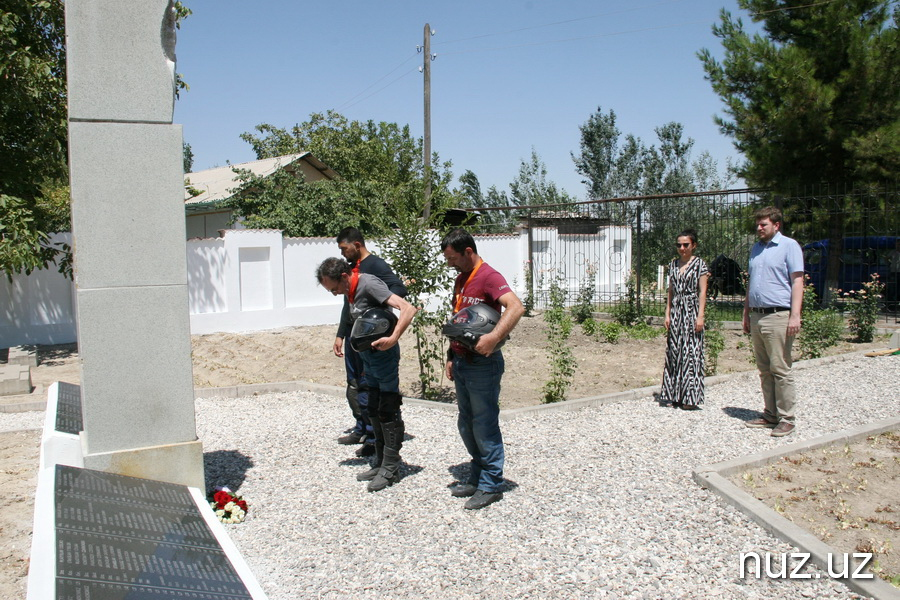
(772, 317)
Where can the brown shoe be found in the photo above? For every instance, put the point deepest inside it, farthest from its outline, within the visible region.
(760, 423)
(782, 429)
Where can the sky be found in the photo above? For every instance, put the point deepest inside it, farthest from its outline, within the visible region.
(509, 76)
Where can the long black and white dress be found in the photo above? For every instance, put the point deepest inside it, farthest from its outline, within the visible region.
(683, 375)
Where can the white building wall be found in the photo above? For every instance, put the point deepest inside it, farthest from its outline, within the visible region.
(252, 280)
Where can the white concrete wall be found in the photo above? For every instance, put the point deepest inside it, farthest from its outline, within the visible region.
(38, 308)
(251, 280)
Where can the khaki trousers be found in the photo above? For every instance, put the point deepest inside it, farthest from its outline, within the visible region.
(772, 349)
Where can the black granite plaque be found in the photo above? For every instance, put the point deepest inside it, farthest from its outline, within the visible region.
(121, 537)
(68, 409)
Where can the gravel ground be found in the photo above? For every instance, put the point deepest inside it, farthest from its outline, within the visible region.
(599, 504)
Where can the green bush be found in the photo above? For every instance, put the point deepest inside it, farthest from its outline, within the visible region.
(713, 344)
(562, 359)
(584, 303)
(626, 312)
(611, 332)
(864, 310)
(642, 331)
(590, 327)
(820, 329)
(528, 300)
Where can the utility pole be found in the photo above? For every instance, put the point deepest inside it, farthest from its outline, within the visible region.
(426, 69)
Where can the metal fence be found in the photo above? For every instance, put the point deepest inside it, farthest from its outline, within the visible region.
(605, 248)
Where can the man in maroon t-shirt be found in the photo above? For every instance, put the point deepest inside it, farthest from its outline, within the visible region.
(477, 373)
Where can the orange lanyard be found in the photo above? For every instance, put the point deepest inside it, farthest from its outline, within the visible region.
(354, 283)
(459, 296)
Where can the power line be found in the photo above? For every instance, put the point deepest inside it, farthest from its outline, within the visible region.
(349, 102)
(351, 105)
(575, 39)
(787, 8)
(544, 25)
(353, 101)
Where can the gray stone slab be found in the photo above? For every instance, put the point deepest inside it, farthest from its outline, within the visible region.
(14, 380)
(127, 205)
(68, 409)
(22, 356)
(137, 381)
(895, 340)
(125, 61)
(123, 537)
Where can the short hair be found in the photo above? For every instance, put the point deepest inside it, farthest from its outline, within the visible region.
(688, 233)
(771, 213)
(332, 268)
(350, 235)
(459, 239)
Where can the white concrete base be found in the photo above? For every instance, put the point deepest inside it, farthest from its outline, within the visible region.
(15, 380)
(58, 447)
(42, 568)
(20, 356)
(175, 463)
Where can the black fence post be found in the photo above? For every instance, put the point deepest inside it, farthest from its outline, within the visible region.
(640, 265)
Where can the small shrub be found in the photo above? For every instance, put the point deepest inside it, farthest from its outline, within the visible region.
(642, 331)
(864, 309)
(590, 327)
(562, 359)
(611, 332)
(821, 329)
(528, 300)
(584, 303)
(625, 312)
(746, 341)
(713, 344)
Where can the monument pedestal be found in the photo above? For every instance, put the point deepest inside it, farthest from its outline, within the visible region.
(176, 463)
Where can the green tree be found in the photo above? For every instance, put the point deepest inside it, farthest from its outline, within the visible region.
(617, 166)
(380, 165)
(471, 196)
(812, 100)
(412, 247)
(33, 88)
(531, 186)
(34, 195)
(614, 166)
(611, 168)
(188, 157)
(32, 133)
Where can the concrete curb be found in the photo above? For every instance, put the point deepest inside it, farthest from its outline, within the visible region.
(714, 477)
(256, 389)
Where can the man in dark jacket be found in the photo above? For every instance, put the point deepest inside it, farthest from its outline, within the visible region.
(353, 248)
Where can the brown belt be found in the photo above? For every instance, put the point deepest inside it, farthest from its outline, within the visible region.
(768, 310)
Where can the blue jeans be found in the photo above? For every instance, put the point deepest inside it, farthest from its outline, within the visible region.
(355, 371)
(477, 381)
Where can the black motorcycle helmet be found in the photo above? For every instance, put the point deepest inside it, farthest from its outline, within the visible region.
(372, 325)
(468, 325)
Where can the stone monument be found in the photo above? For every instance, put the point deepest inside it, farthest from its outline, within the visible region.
(128, 225)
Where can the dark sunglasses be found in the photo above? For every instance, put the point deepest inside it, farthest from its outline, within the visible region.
(687, 245)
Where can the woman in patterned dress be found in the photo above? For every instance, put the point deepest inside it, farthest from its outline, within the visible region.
(685, 305)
